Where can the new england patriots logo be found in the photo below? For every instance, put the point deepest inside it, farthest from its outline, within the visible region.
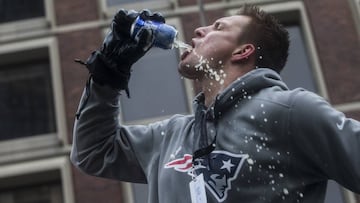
(219, 168)
(182, 165)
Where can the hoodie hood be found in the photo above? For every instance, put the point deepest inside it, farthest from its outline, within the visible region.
(242, 88)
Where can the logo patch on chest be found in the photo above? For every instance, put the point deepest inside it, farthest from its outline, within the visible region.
(219, 168)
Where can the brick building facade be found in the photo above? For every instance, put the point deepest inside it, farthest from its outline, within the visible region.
(37, 51)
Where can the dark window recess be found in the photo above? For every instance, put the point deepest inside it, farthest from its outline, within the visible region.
(15, 10)
(297, 71)
(26, 99)
(32, 188)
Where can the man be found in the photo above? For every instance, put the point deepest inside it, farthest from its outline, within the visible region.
(251, 138)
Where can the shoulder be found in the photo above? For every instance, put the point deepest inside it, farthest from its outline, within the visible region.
(175, 121)
(180, 120)
(284, 98)
(310, 109)
(305, 100)
(300, 103)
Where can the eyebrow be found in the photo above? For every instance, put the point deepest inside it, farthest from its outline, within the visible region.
(221, 23)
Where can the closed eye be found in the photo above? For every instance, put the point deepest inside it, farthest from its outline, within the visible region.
(218, 26)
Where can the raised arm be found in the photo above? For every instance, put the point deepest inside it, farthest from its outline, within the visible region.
(101, 146)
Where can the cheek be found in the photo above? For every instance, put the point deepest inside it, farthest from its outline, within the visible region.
(217, 57)
(208, 51)
(216, 51)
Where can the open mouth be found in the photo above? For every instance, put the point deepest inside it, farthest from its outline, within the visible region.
(185, 54)
(188, 51)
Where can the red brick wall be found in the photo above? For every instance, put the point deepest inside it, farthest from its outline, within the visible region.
(70, 11)
(354, 115)
(74, 45)
(338, 47)
(89, 189)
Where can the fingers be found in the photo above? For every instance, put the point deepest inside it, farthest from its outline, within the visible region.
(145, 14)
(122, 22)
(146, 39)
(120, 15)
(158, 17)
(125, 17)
(148, 15)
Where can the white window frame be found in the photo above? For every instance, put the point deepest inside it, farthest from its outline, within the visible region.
(279, 7)
(355, 8)
(42, 166)
(109, 11)
(31, 25)
(51, 140)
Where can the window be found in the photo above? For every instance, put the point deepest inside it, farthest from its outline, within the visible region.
(110, 7)
(48, 191)
(17, 16)
(31, 96)
(15, 10)
(26, 95)
(298, 63)
(156, 88)
(45, 181)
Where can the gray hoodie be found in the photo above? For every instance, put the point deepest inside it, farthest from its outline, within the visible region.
(258, 142)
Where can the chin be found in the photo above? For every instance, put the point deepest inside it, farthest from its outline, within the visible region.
(189, 72)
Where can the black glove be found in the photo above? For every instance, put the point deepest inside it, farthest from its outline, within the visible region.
(112, 64)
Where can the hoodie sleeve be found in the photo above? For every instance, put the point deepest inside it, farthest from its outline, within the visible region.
(328, 143)
(102, 147)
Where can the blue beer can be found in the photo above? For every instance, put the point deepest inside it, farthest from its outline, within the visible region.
(164, 34)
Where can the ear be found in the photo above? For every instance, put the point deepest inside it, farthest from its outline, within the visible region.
(243, 52)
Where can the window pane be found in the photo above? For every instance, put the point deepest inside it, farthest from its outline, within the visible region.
(156, 88)
(298, 72)
(14, 10)
(140, 192)
(41, 193)
(26, 100)
(42, 187)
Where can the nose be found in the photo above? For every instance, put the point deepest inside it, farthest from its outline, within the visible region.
(200, 31)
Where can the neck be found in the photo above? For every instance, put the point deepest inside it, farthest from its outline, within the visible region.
(213, 85)
(211, 89)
